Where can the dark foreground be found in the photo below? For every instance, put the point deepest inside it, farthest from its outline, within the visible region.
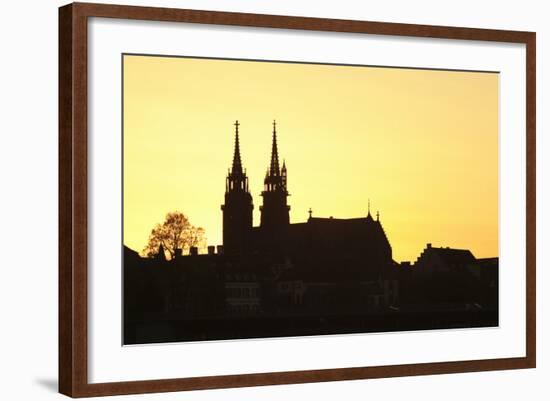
(220, 297)
(264, 327)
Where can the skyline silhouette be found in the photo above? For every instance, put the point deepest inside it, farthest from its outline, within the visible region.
(421, 145)
(320, 276)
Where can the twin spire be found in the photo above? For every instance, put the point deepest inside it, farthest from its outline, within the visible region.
(275, 178)
(272, 171)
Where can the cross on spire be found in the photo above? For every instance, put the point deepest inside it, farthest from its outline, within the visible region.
(274, 166)
(310, 212)
(237, 168)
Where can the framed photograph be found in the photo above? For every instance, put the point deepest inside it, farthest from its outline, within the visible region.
(250, 200)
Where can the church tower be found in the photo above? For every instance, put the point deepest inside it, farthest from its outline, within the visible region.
(274, 210)
(237, 208)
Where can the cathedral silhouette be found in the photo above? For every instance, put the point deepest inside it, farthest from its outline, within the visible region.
(361, 241)
(321, 276)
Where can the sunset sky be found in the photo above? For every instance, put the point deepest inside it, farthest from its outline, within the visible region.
(421, 145)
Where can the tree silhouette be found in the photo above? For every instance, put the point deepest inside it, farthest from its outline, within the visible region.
(175, 233)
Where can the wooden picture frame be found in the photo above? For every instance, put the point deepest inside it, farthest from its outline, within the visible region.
(73, 195)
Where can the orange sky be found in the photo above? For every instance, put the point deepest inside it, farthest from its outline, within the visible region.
(421, 145)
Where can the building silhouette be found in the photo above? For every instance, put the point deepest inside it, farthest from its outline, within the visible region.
(238, 206)
(321, 276)
(361, 241)
(238, 234)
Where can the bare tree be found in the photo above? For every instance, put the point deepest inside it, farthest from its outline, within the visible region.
(175, 233)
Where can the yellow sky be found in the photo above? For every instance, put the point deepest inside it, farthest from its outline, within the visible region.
(421, 145)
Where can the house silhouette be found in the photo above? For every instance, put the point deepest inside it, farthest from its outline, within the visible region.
(321, 276)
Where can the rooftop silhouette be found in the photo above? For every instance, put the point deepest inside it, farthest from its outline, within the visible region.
(325, 275)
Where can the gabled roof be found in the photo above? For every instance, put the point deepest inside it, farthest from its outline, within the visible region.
(454, 257)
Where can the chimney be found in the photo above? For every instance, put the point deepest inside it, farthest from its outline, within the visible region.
(177, 254)
(220, 249)
(193, 251)
(211, 249)
(429, 245)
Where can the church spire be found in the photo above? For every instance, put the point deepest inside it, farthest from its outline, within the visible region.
(237, 208)
(274, 209)
(369, 216)
(237, 168)
(274, 166)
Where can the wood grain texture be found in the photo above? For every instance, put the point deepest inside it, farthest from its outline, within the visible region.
(73, 359)
(66, 356)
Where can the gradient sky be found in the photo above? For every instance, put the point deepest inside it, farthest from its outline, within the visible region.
(421, 145)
